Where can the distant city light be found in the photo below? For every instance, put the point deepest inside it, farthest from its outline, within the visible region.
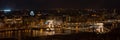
(7, 10)
(32, 13)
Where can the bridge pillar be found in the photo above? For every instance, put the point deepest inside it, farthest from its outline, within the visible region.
(100, 27)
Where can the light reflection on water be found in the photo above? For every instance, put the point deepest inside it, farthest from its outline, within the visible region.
(33, 33)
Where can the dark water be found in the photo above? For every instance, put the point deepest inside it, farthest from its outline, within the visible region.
(58, 35)
(32, 34)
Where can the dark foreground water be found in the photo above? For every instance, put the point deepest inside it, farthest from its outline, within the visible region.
(58, 35)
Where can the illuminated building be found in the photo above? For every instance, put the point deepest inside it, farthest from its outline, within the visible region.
(32, 13)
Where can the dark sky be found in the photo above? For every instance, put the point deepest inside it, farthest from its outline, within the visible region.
(31, 4)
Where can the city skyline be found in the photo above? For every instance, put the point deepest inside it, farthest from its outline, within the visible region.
(59, 20)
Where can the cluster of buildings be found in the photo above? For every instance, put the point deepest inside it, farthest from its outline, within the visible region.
(79, 18)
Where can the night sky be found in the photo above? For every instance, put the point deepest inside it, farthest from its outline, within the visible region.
(32, 4)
